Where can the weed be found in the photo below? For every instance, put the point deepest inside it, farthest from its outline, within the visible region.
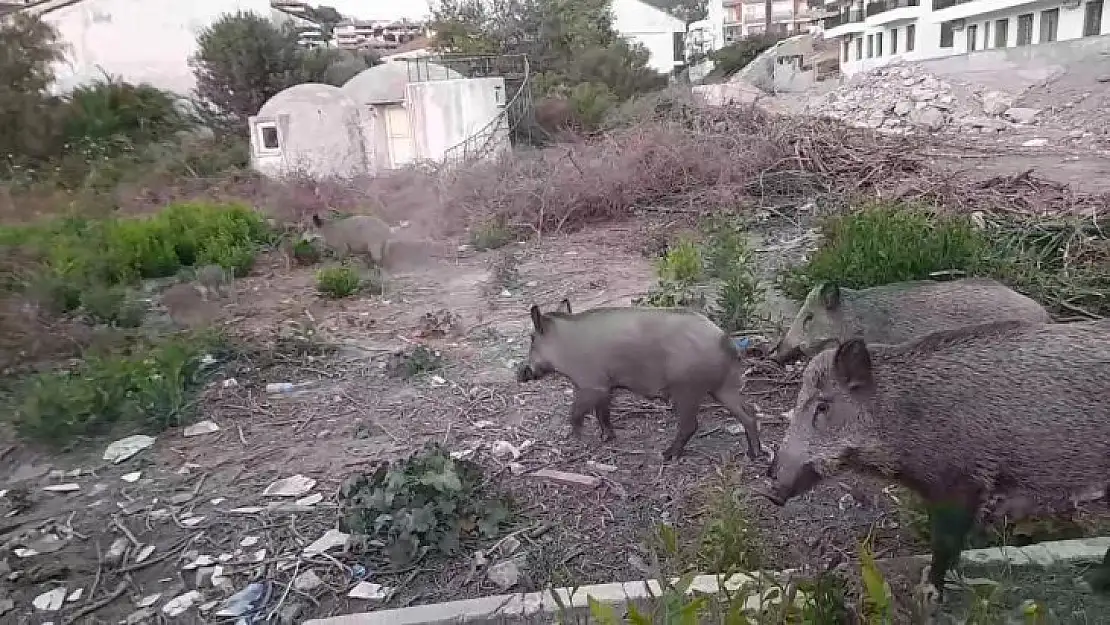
(426, 504)
(113, 305)
(414, 362)
(504, 274)
(682, 263)
(885, 243)
(338, 282)
(151, 385)
(728, 261)
(878, 604)
(729, 541)
(306, 252)
(492, 234)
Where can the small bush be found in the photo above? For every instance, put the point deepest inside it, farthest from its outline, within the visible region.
(426, 504)
(338, 282)
(306, 252)
(885, 243)
(728, 261)
(681, 273)
(417, 361)
(491, 234)
(591, 103)
(735, 57)
(113, 305)
(151, 386)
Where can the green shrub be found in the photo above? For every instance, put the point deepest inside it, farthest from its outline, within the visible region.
(591, 103)
(682, 263)
(728, 261)
(491, 235)
(427, 503)
(306, 252)
(885, 243)
(338, 282)
(735, 57)
(113, 305)
(151, 386)
(81, 253)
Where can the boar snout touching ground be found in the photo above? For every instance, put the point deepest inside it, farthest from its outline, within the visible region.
(1011, 411)
(657, 353)
(898, 312)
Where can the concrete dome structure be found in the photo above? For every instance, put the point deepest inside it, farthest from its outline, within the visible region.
(386, 83)
(312, 129)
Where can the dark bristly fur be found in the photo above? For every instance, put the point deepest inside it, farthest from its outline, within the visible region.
(898, 312)
(1012, 411)
(659, 353)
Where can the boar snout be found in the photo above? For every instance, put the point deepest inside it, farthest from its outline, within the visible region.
(790, 483)
(524, 373)
(782, 354)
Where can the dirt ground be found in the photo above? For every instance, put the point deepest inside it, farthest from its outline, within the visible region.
(198, 501)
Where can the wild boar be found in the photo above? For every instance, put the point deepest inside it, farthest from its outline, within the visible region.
(1010, 410)
(360, 235)
(898, 312)
(657, 353)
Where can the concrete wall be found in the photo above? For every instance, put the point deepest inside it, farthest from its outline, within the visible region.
(445, 112)
(983, 14)
(140, 40)
(642, 23)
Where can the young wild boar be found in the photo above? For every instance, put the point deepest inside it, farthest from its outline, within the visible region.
(658, 353)
(898, 312)
(1009, 411)
(361, 234)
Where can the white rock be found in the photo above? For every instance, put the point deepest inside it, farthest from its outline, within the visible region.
(249, 541)
(132, 477)
(193, 521)
(332, 539)
(203, 427)
(1035, 143)
(124, 448)
(179, 604)
(929, 117)
(903, 108)
(308, 581)
(996, 102)
(370, 591)
(503, 450)
(293, 486)
(50, 601)
(504, 574)
(201, 560)
(144, 553)
(62, 488)
(311, 500)
(149, 600)
(1021, 115)
(75, 595)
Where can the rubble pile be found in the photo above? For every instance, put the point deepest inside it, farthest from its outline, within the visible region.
(904, 98)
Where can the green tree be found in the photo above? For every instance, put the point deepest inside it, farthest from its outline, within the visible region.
(243, 60)
(29, 48)
(688, 11)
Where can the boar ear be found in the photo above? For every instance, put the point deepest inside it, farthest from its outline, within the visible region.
(316, 221)
(537, 318)
(830, 295)
(564, 306)
(852, 364)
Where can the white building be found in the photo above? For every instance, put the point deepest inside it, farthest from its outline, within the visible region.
(744, 18)
(139, 40)
(663, 34)
(873, 33)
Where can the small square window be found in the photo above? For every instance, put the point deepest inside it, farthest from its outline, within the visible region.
(269, 136)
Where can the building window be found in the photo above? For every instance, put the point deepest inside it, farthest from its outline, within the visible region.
(1092, 19)
(894, 41)
(911, 33)
(972, 37)
(1050, 20)
(846, 49)
(986, 35)
(859, 48)
(947, 35)
(878, 44)
(1025, 29)
(1001, 33)
(870, 46)
(269, 141)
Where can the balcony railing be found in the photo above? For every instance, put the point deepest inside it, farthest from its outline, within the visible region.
(944, 4)
(874, 8)
(847, 17)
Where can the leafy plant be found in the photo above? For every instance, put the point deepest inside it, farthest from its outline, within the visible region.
(884, 243)
(113, 305)
(151, 386)
(491, 234)
(426, 504)
(338, 282)
(416, 361)
(728, 261)
(877, 600)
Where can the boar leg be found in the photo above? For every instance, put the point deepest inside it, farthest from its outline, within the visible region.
(585, 400)
(730, 396)
(951, 522)
(686, 406)
(601, 411)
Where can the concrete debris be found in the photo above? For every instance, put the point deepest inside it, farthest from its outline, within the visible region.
(601, 466)
(249, 541)
(203, 427)
(115, 551)
(149, 600)
(1035, 143)
(132, 477)
(332, 539)
(504, 574)
(62, 488)
(311, 500)
(1021, 115)
(573, 479)
(75, 596)
(50, 601)
(996, 102)
(293, 486)
(307, 581)
(370, 592)
(125, 448)
(144, 553)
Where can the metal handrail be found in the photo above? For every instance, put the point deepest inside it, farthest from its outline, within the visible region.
(481, 142)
